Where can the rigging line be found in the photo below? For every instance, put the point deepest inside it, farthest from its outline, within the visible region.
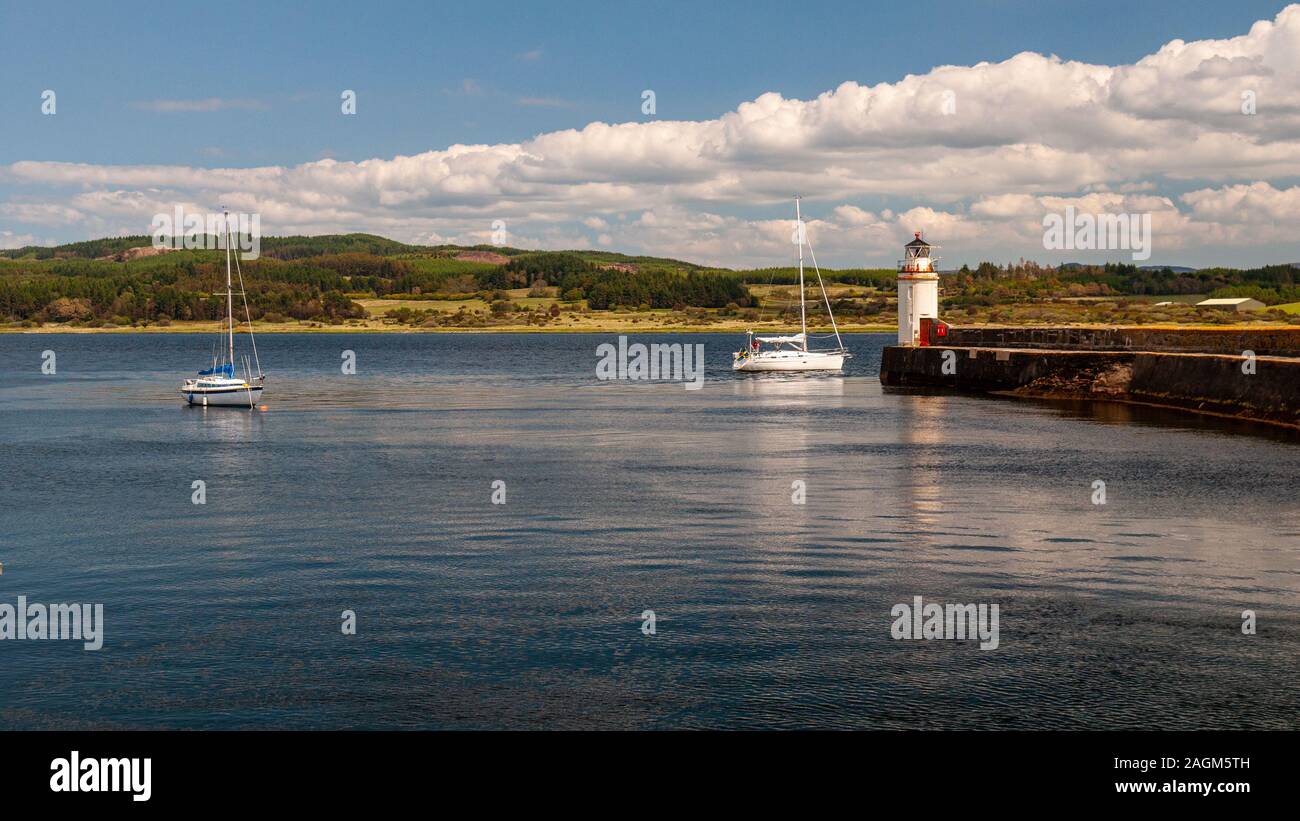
(771, 282)
(230, 299)
(829, 313)
(803, 310)
(762, 309)
(243, 292)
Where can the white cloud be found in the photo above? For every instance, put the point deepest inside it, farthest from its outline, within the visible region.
(9, 240)
(971, 154)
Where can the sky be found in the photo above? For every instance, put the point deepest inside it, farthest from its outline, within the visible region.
(527, 123)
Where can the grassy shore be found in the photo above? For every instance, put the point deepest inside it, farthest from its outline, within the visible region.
(594, 325)
(613, 323)
(531, 313)
(360, 283)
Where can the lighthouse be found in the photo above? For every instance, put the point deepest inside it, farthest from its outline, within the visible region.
(918, 293)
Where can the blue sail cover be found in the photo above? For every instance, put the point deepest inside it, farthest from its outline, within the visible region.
(226, 370)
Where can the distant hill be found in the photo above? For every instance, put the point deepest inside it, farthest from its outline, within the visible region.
(326, 279)
(291, 248)
(125, 281)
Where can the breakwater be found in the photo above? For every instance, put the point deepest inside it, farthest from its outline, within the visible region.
(1264, 341)
(1235, 372)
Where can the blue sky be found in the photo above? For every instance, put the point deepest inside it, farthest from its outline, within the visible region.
(579, 62)
(243, 85)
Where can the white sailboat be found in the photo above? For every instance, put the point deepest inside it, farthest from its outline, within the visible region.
(218, 385)
(791, 353)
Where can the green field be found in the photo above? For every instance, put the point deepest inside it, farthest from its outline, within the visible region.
(364, 281)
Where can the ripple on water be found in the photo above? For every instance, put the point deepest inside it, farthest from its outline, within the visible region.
(372, 493)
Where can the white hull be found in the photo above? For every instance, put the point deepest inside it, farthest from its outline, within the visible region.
(789, 361)
(237, 398)
(218, 386)
(795, 357)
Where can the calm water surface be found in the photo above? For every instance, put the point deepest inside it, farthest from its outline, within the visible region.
(372, 493)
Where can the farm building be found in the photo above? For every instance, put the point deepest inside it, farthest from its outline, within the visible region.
(1234, 304)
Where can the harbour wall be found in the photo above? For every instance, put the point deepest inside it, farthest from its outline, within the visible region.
(1271, 341)
(1265, 389)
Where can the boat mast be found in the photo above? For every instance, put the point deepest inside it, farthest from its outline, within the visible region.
(803, 319)
(230, 294)
(248, 315)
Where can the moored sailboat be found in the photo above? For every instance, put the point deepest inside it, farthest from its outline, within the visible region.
(218, 385)
(791, 352)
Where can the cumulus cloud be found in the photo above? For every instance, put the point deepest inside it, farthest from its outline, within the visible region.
(8, 240)
(974, 155)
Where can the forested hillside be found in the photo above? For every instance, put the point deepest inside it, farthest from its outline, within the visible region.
(320, 279)
(123, 281)
(990, 284)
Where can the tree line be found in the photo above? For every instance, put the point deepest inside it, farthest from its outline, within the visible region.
(604, 286)
(190, 285)
(992, 284)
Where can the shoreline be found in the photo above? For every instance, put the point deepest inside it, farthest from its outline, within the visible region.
(509, 329)
(611, 328)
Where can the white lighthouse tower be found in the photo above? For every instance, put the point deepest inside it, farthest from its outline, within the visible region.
(918, 293)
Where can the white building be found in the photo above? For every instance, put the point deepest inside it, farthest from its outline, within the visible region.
(918, 293)
(1233, 304)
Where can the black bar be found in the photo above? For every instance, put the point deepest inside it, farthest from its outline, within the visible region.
(215, 770)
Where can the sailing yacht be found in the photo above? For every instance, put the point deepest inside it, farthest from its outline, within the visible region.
(791, 353)
(218, 385)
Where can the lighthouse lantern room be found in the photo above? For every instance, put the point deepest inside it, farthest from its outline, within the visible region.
(918, 293)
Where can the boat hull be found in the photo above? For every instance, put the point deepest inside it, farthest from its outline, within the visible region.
(789, 361)
(223, 397)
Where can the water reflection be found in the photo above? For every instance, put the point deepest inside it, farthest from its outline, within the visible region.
(921, 432)
(788, 386)
(373, 492)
